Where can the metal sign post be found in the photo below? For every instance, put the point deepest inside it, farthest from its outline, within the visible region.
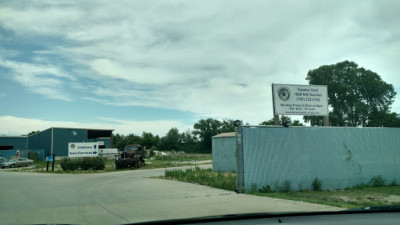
(276, 117)
(239, 158)
(50, 158)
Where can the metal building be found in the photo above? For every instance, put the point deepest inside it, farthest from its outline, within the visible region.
(55, 139)
(13, 142)
(224, 152)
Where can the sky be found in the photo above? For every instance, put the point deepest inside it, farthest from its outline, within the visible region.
(136, 66)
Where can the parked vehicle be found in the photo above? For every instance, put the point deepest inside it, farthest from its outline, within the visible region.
(16, 162)
(2, 159)
(131, 157)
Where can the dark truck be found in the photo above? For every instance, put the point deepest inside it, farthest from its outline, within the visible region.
(131, 157)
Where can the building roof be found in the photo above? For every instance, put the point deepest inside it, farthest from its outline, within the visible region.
(74, 128)
(229, 134)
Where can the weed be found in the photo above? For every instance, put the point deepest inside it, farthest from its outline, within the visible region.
(253, 188)
(316, 184)
(285, 187)
(358, 186)
(350, 159)
(377, 181)
(265, 189)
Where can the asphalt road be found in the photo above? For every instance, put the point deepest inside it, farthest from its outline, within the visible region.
(122, 197)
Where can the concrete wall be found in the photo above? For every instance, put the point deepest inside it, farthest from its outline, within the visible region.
(223, 153)
(339, 157)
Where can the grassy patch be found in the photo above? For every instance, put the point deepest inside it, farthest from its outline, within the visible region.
(351, 198)
(156, 162)
(183, 157)
(222, 180)
(357, 197)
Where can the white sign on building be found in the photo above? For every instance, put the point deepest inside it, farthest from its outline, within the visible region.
(308, 100)
(83, 149)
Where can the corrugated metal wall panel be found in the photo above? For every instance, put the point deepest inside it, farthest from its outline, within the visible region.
(62, 136)
(41, 140)
(339, 157)
(224, 154)
(17, 142)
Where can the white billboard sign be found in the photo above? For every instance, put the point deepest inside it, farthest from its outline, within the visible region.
(83, 149)
(307, 100)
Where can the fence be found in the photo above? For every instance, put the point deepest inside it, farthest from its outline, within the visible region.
(339, 157)
(22, 153)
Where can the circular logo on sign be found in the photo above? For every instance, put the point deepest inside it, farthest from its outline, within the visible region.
(284, 93)
(72, 145)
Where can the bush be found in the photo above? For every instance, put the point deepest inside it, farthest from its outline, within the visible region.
(70, 164)
(95, 163)
(98, 163)
(377, 181)
(86, 163)
(317, 184)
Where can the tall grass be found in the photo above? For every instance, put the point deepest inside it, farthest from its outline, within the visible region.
(222, 180)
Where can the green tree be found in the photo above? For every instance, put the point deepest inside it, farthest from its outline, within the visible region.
(131, 139)
(282, 119)
(189, 142)
(119, 141)
(356, 96)
(149, 140)
(227, 125)
(32, 132)
(206, 128)
(171, 141)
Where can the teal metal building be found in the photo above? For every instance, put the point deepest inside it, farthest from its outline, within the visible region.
(224, 152)
(55, 139)
(13, 142)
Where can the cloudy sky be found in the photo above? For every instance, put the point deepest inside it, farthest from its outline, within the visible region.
(151, 65)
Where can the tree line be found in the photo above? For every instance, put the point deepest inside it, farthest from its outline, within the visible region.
(197, 140)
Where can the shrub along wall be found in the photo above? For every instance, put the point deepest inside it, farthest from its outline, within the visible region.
(95, 163)
(339, 157)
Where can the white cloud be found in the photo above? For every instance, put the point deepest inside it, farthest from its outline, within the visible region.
(216, 59)
(16, 126)
(42, 79)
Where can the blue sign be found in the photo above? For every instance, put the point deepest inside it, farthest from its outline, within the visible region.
(49, 158)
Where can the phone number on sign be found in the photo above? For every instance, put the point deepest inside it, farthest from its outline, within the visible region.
(301, 99)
